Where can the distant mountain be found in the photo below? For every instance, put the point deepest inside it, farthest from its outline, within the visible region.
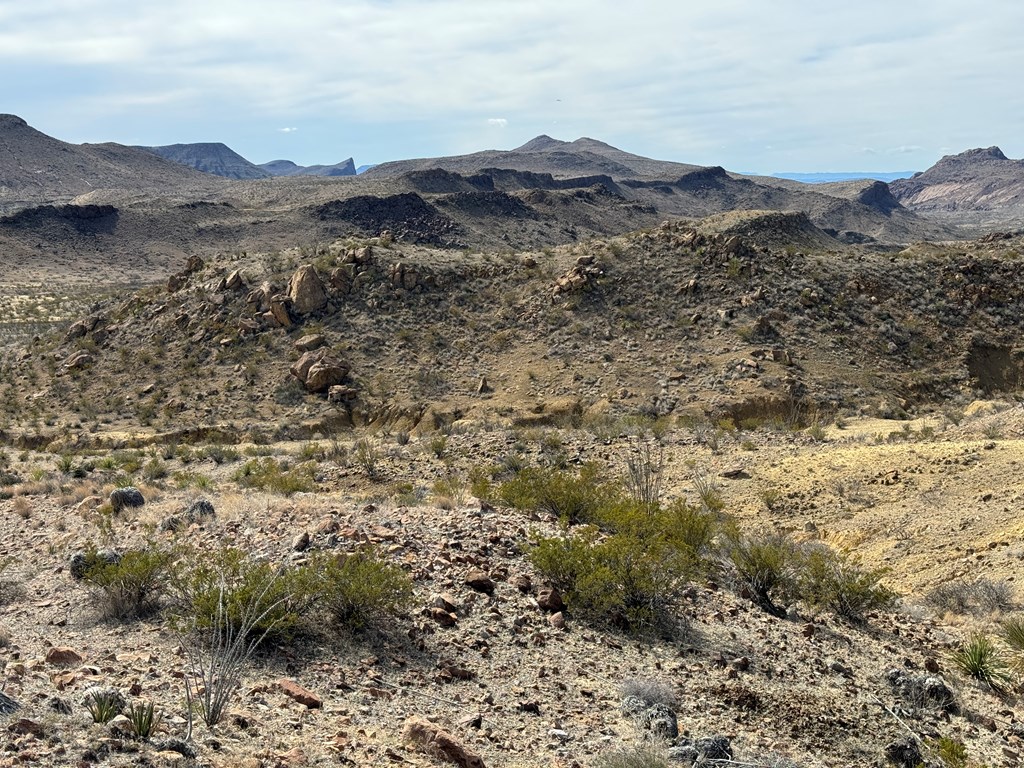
(35, 167)
(288, 168)
(211, 157)
(982, 181)
(583, 157)
(365, 168)
(825, 178)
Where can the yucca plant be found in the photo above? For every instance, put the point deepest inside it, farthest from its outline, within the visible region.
(103, 705)
(1012, 633)
(143, 719)
(981, 659)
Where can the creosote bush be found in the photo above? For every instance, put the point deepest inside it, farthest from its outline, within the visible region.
(130, 587)
(361, 590)
(778, 571)
(230, 585)
(572, 498)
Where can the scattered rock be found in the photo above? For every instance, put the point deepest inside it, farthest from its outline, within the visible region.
(62, 656)
(302, 695)
(310, 342)
(480, 581)
(301, 542)
(557, 620)
(319, 370)
(905, 752)
(199, 510)
(81, 561)
(549, 599)
(434, 741)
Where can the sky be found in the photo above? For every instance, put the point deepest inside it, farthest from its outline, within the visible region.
(752, 85)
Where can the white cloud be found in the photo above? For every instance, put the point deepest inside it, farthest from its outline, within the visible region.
(696, 82)
(287, 130)
(499, 122)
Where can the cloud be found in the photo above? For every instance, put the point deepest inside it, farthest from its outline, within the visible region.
(905, 149)
(287, 130)
(695, 82)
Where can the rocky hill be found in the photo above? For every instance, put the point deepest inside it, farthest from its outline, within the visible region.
(288, 168)
(37, 168)
(211, 157)
(378, 395)
(545, 155)
(979, 186)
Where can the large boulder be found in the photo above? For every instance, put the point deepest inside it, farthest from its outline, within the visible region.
(307, 291)
(319, 370)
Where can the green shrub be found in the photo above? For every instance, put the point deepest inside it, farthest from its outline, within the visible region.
(130, 588)
(833, 581)
(360, 589)
(767, 566)
(981, 659)
(267, 474)
(572, 498)
(622, 581)
(270, 600)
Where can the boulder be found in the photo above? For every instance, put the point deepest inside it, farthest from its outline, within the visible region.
(280, 310)
(435, 741)
(124, 498)
(307, 291)
(319, 370)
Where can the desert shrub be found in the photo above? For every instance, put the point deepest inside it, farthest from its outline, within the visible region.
(649, 691)
(767, 566)
(361, 590)
(643, 474)
(238, 591)
(572, 498)
(154, 469)
(632, 757)
(366, 456)
(979, 596)
(979, 658)
(130, 587)
(834, 581)
(622, 581)
(267, 474)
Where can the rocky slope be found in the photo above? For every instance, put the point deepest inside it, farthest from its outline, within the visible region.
(979, 186)
(288, 168)
(37, 168)
(211, 157)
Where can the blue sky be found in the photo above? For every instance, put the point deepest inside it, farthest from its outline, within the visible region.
(791, 85)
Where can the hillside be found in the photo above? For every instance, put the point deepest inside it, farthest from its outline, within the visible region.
(979, 186)
(37, 168)
(211, 157)
(381, 393)
(545, 155)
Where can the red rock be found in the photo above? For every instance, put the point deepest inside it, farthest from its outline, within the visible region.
(61, 656)
(480, 581)
(302, 695)
(433, 740)
(549, 599)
